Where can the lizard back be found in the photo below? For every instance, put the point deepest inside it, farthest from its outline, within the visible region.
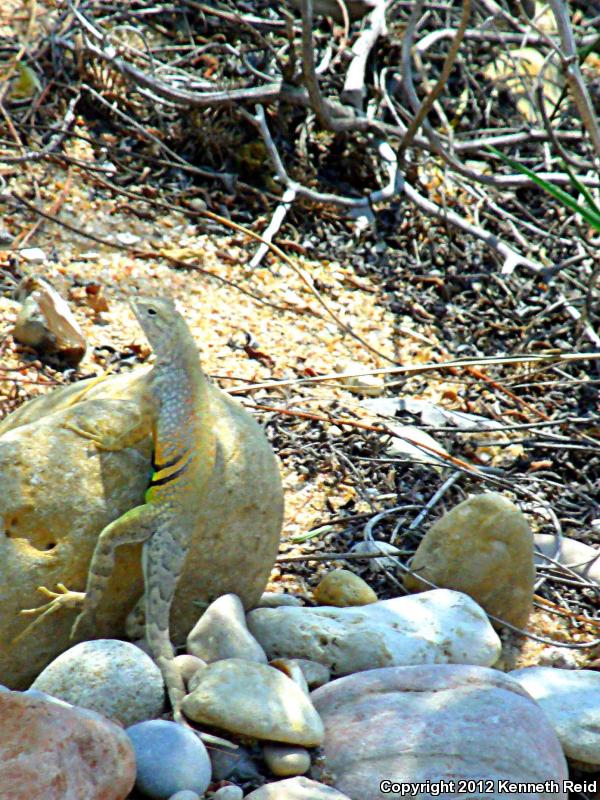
(183, 454)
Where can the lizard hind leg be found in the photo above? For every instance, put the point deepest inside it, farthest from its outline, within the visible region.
(162, 560)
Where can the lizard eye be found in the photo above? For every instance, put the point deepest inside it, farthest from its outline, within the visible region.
(151, 311)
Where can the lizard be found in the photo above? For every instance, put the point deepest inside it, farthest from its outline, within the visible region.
(184, 451)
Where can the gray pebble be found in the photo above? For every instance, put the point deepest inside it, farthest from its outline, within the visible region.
(188, 665)
(286, 760)
(221, 632)
(169, 758)
(186, 794)
(228, 793)
(278, 599)
(109, 676)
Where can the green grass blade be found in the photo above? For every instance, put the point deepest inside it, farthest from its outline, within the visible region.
(581, 188)
(590, 215)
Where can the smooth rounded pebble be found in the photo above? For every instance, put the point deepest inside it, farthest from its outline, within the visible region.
(186, 794)
(188, 665)
(571, 701)
(433, 627)
(277, 599)
(221, 632)
(169, 758)
(352, 380)
(286, 760)
(297, 789)
(342, 588)
(377, 564)
(254, 700)
(483, 547)
(432, 722)
(293, 670)
(228, 793)
(109, 676)
(53, 751)
(578, 556)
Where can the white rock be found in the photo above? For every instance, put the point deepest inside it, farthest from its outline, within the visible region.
(388, 562)
(228, 793)
(571, 701)
(127, 238)
(371, 385)
(413, 443)
(188, 665)
(254, 700)
(559, 657)
(221, 632)
(114, 678)
(35, 255)
(434, 627)
(277, 599)
(296, 789)
(580, 557)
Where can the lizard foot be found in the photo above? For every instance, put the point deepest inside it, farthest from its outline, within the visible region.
(64, 598)
(101, 442)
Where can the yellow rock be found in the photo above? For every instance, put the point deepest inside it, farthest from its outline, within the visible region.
(59, 491)
(343, 588)
(484, 548)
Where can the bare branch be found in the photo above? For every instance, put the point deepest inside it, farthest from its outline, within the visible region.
(427, 104)
(511, 258)
(354, 86)
(577, 85)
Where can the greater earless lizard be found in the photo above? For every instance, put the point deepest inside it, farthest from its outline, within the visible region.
(184, 451)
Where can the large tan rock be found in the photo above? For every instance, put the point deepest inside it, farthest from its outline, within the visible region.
(59, 752)
(255, 700)
(59, 491)
(484, 548)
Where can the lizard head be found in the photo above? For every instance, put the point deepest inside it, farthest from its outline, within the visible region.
(163, 325)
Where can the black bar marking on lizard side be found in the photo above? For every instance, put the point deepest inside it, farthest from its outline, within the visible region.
(165, 465)
(161, 481)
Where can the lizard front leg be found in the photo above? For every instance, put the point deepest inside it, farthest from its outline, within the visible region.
(64, 598)
(126, 424)
(136, 525)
